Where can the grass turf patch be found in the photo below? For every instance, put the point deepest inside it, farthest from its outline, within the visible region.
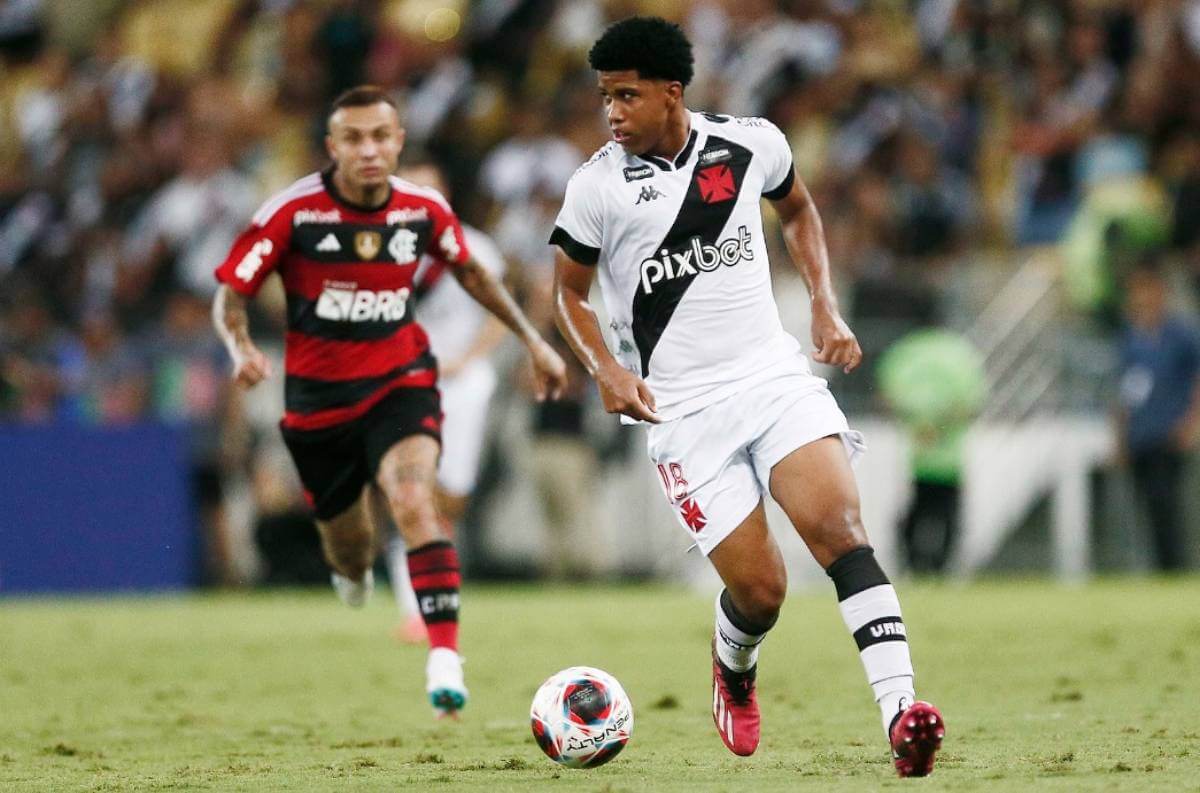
(1042, 687)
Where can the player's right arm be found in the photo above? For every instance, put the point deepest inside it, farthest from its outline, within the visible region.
(250, 365)
(255, 255)
(620, 390)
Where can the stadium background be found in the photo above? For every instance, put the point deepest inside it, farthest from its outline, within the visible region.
(989, 168)
(984, 167)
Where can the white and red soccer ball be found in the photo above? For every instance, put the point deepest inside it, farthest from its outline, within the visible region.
(581, 717)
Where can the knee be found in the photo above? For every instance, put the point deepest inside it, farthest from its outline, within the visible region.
(412, 507)
(761, 599)
(842, 532)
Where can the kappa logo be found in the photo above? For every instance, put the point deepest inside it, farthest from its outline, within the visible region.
(696, 256)
(329, 244)
(403, 246)
(649, 193)
(338, 304)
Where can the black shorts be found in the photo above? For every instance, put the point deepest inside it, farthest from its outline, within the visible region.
(336, 462)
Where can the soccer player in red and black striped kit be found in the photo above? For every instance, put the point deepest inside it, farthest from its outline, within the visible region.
(361, 399)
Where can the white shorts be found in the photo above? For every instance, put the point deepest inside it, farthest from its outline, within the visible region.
(715, 464)
(465, 402)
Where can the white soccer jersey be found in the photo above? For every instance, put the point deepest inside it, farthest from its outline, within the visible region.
(451, 317)
(683, 263)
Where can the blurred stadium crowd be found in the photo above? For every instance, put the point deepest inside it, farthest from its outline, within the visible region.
(138, 136)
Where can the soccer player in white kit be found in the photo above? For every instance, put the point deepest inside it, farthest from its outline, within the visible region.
(668, 214)
(463, 337)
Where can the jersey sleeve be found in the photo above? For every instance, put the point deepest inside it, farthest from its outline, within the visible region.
(578, 230)
(448, 242)
(777, 161)
(256, 253)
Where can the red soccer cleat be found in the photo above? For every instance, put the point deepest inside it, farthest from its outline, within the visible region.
(735, 707)
(916, 735)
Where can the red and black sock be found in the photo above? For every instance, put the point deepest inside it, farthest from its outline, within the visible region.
(433, 569)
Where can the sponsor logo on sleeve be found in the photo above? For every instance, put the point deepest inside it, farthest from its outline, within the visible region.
(449, 244)
(252, 262)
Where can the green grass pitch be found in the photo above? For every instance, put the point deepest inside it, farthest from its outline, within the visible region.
(1043, 687)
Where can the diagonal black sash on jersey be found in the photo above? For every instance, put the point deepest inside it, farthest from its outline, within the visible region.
(697, 218)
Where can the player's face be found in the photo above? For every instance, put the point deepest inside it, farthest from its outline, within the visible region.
(638, 110)
(365, 143)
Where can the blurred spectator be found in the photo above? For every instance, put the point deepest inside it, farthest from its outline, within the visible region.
(934, 206)
(189, 223)
(105, 375)
(188, 389)
(32, 351)
(1159, 414)
(534, 157)
(137, 135)
(934, 382)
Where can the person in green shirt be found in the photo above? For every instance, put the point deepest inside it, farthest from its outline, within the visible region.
(933, 380)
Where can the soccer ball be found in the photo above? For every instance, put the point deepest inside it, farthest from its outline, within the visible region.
(581, 717)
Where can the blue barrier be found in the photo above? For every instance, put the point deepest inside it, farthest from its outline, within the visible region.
(86, 509)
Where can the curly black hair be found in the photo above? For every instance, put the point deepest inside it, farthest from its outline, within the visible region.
(653, 47)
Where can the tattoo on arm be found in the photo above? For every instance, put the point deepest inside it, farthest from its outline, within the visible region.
(230, 318)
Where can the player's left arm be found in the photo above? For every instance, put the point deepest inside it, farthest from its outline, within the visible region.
(550, 373)
(834, 342)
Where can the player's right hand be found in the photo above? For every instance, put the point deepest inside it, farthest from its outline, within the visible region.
(250, 366)
(624, 392)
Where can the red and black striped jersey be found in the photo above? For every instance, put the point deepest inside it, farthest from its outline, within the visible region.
(348, 273)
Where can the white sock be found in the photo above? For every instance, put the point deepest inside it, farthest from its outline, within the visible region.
(736, 649)
(397, 560)
(873, 617)
(871, 612)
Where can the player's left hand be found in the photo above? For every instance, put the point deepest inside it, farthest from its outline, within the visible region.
(833, 340)
(549, 371)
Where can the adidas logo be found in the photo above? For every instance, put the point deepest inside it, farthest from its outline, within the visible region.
(329, 244)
